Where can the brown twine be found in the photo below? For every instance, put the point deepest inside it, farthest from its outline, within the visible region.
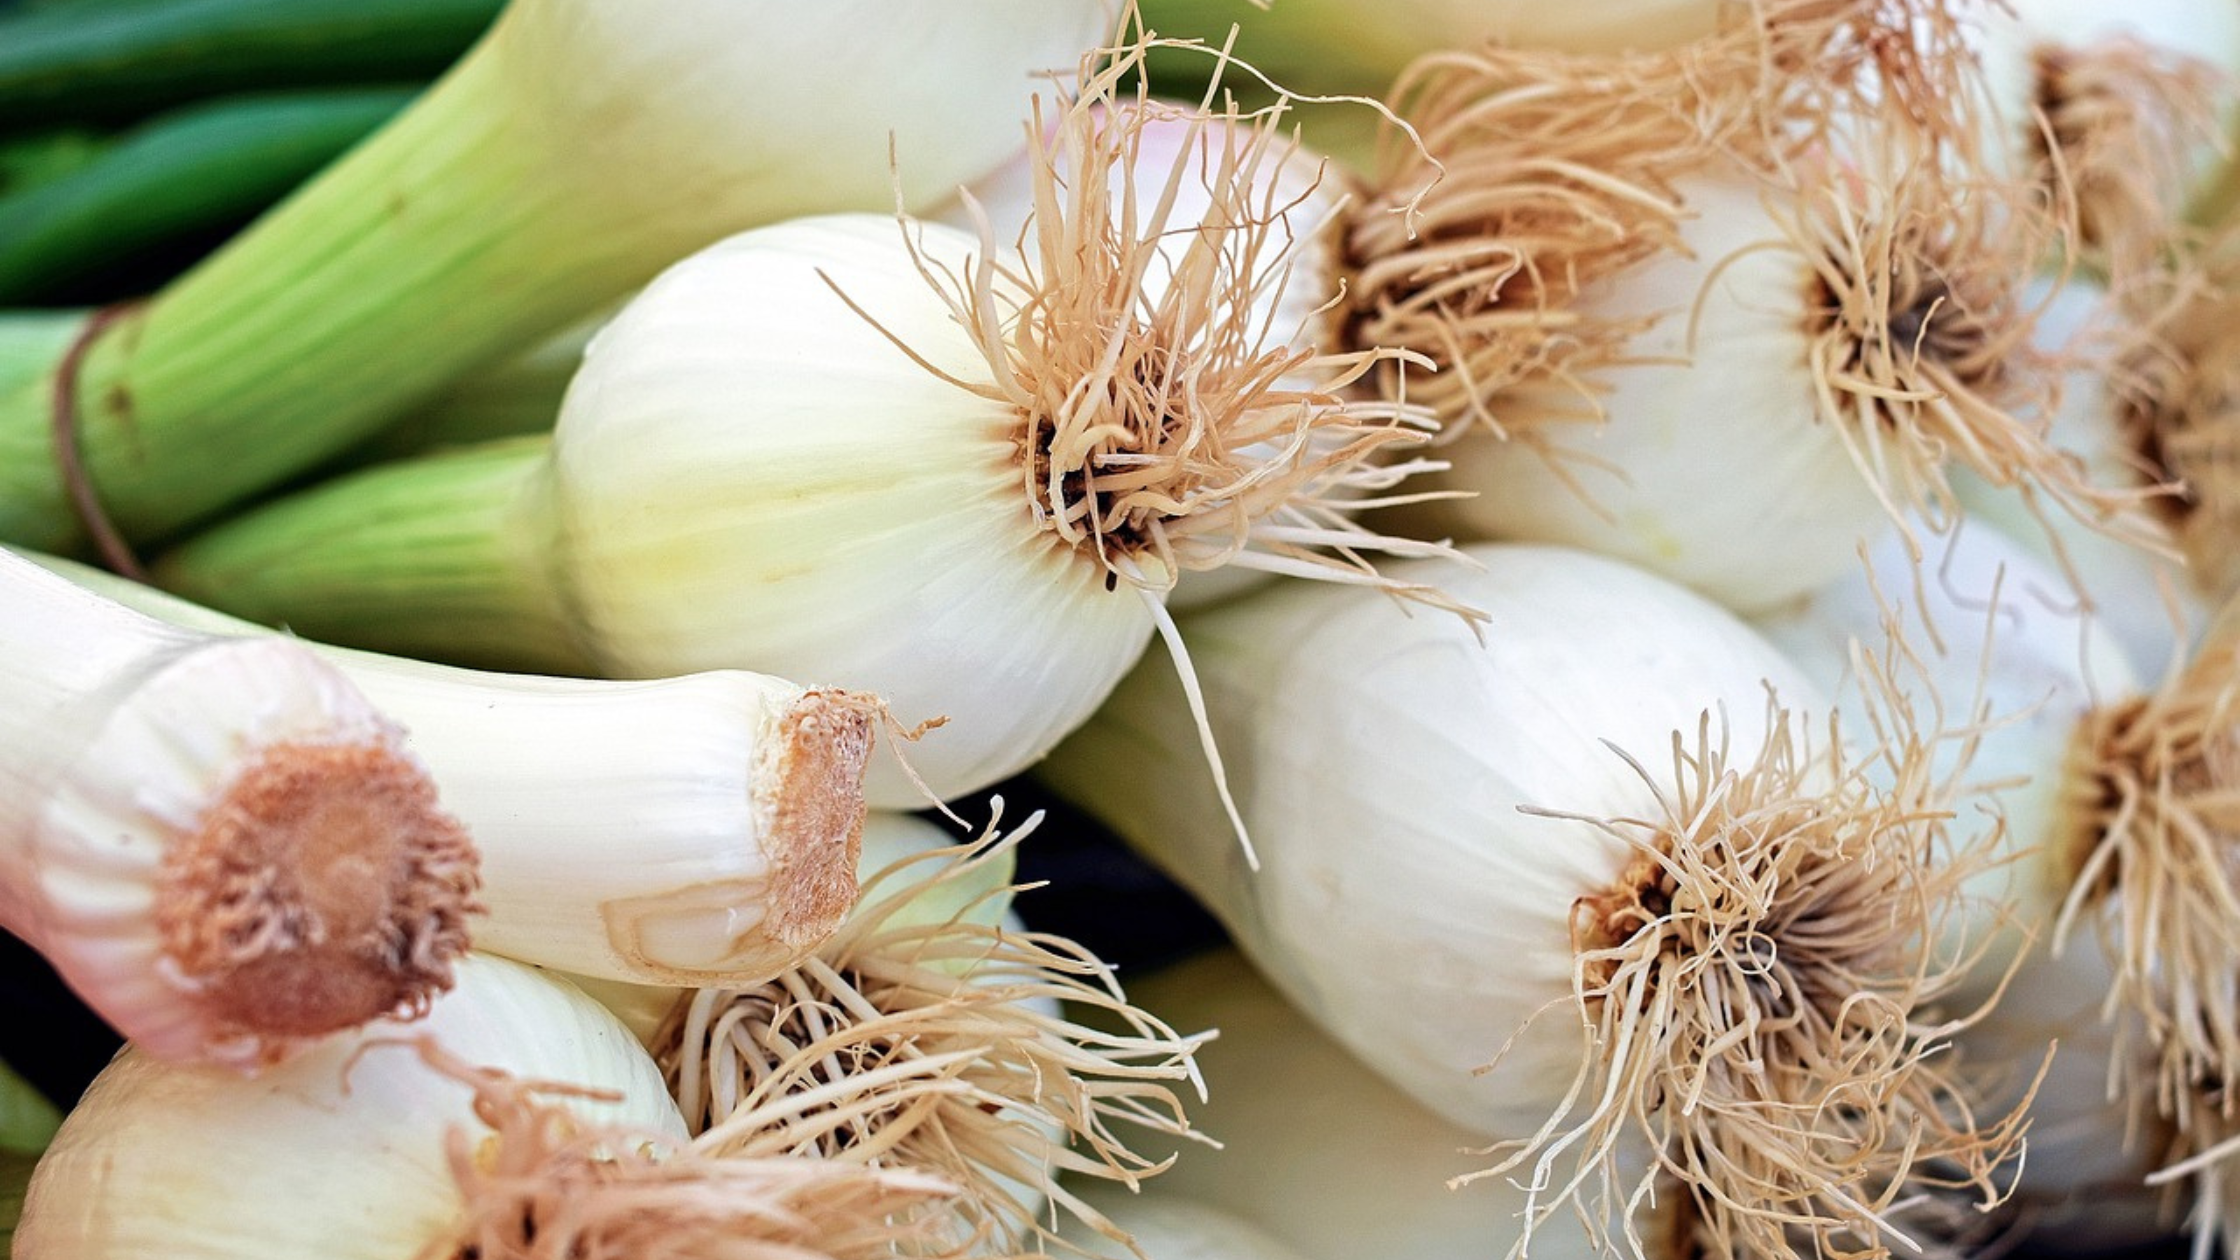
(115, 552)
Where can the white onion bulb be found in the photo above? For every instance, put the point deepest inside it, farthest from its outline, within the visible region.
(1526, 854)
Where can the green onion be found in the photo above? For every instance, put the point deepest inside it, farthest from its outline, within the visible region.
(580, 147)
(219, 842)
(519, 1120)
(1604, 881)
(35, 160)
(110, 63)
(185, 175)
(740, 795)
(891, 457)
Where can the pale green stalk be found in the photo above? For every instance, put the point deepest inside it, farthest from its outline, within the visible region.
(1352, 46)
(446, 557)
(311, 329)
(520, 395)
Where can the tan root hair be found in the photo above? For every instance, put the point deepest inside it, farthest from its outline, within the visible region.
(542, 1184)
(2178, 378)
(1164, 425)
(937, 1044)
(326, 886)
(1921, 328)
(2201, 1153)
(2117, 124)
(1533, 177)
(1754, 997)
(2155, 793)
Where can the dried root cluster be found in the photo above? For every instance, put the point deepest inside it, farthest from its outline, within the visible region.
(1766, 999)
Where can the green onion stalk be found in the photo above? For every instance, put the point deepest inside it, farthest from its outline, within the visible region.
(184, 178)
(1334, 46)
(577, 149)
(109, 64)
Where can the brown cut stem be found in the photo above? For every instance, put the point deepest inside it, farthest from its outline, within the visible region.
(809, 791)
(323, 889)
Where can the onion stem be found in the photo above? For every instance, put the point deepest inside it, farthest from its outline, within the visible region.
(449, 557)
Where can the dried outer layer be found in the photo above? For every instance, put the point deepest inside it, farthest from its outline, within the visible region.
(935, 1045)
(1756, 997)
(1532, 176)
(219, 842)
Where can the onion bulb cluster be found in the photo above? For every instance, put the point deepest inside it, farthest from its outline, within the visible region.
(1677, 611)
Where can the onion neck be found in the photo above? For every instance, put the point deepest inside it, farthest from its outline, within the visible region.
(455, 556)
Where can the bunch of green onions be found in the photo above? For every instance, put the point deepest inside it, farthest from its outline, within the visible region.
(1696, 659)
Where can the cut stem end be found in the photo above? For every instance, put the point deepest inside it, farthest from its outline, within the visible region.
(811, 790)
(325, 888)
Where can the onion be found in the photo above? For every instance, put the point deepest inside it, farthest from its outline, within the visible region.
(219, 842)
(1608, 862)
(520, 1121)
(886, 457)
